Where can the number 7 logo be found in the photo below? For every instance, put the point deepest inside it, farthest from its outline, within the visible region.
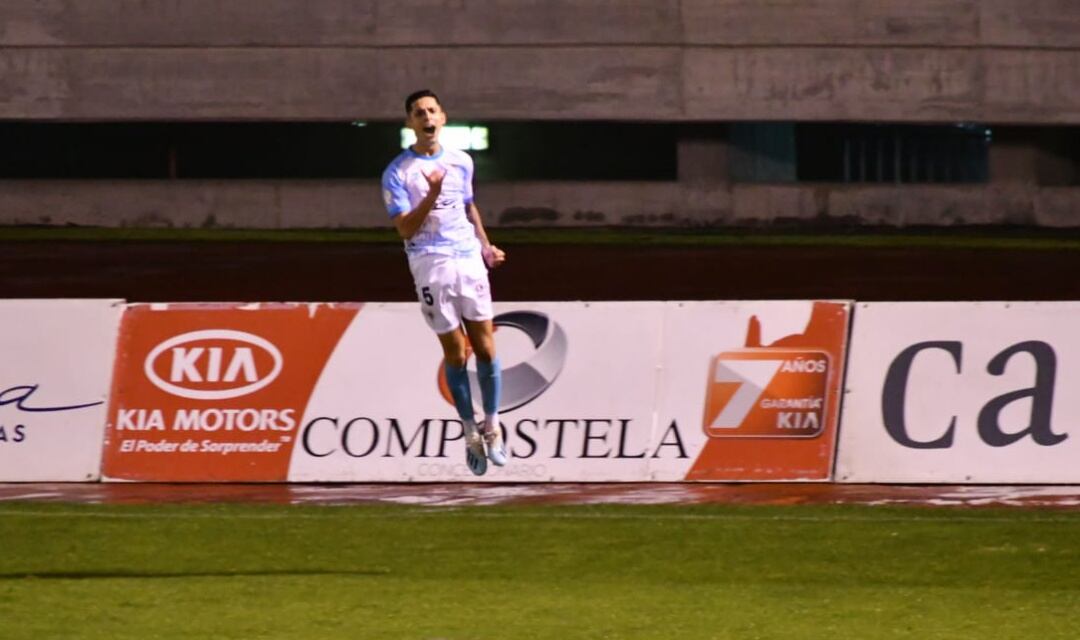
(734, 389)
(766, 392)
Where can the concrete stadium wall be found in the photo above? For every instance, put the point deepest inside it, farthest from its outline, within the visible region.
(357, 204)
(671, 60)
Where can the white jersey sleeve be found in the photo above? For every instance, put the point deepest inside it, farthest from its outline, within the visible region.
(395, 197)
(447, 228)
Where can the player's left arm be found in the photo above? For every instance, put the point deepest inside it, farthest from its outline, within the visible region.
(493, 255)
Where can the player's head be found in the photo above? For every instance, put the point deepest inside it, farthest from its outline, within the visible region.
(416, 95)
(424, 115)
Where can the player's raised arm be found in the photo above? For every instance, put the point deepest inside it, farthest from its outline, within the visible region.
(408, 223)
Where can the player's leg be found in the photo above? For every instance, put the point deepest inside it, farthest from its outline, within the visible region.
(477, 314)
(457, 379)
(457, 376)
(435, 278)
(489, 373)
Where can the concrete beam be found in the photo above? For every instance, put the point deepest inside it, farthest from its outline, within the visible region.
(334, 23)
(838, 84)
(337, 23)
(529, 22)
(188, 84)
(1052, 24)
(952, 23)
(567, 83)
(1030, 23)
(337, 84)
(190, 23)
(357, 204)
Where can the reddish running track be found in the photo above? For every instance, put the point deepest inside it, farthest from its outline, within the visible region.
(475, 494)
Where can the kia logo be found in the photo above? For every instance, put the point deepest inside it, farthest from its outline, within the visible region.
(234, 360)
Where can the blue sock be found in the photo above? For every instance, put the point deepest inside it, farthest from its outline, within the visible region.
(457, 378)
(490, 375)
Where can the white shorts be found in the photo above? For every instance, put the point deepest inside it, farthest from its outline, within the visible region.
(451, 289)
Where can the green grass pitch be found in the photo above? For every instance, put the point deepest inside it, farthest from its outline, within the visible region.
(538, 572)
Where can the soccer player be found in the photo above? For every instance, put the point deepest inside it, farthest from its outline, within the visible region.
(429, 195)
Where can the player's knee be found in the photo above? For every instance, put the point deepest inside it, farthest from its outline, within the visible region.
(456, 358)
(455, 348)
(485, 352)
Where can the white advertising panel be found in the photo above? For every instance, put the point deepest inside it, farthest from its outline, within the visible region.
(591, 392)
(962, 392)
(580, 382)
(54, 385)
(610, 391)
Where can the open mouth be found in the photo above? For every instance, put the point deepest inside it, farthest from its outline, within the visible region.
(429, 129)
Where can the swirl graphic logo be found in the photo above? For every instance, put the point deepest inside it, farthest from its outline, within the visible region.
(528, 380)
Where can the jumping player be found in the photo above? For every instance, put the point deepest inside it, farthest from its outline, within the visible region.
(429, 195)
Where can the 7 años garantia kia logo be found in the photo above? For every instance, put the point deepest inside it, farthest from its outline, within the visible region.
(778, 393)
(527, 380)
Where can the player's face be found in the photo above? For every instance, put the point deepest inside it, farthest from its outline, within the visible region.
(426, 120)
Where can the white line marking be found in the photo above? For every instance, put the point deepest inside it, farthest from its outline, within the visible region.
(32, 496)
(438, 511)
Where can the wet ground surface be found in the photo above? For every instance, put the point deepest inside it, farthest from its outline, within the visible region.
(463, 494)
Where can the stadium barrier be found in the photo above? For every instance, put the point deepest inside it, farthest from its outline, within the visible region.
(962, 392)
(54, 384)
(949, 392)
(597, 392)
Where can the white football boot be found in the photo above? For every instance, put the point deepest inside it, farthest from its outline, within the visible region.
(496, 450)
(474, 449)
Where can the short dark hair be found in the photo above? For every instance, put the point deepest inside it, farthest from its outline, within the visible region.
(416, 95)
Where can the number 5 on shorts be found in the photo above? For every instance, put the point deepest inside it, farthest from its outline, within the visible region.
(426, 293)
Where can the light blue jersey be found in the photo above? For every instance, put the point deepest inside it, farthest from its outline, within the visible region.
(447, 229)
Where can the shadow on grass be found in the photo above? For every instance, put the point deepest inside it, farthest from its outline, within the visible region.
(154, 575)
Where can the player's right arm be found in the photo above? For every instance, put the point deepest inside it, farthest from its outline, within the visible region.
(408, 221)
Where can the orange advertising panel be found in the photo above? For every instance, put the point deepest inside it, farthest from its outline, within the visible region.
(771, 410)
(215, 392)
